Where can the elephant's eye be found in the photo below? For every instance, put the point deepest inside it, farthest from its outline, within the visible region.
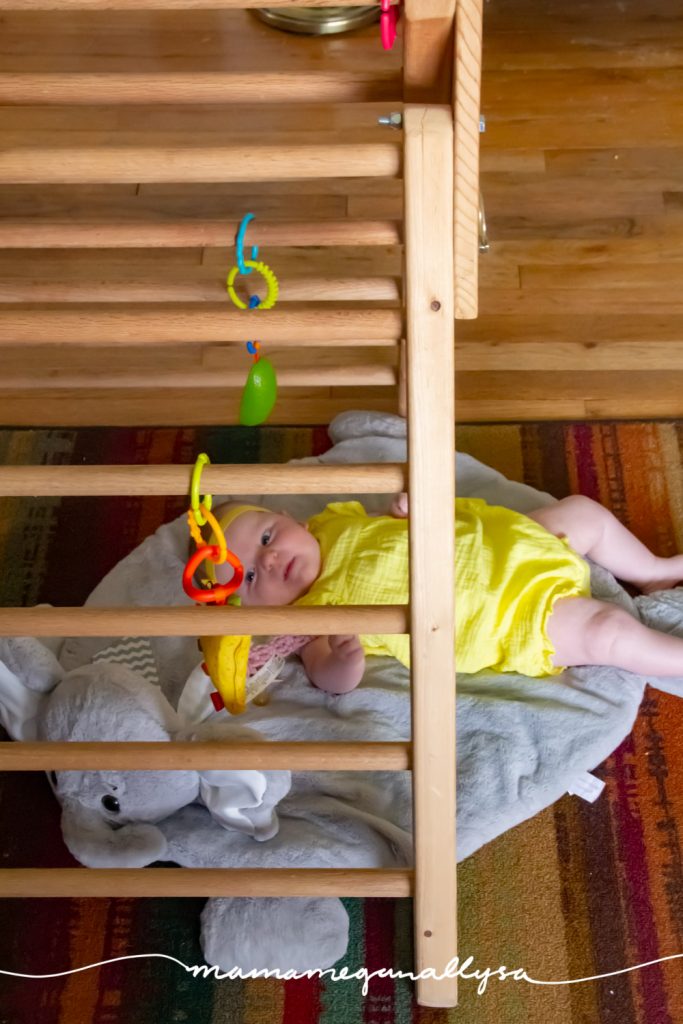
(110, 803)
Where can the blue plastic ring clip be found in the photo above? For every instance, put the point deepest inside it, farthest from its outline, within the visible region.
(239, 244)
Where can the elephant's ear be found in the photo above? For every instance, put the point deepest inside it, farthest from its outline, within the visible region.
(93, 842)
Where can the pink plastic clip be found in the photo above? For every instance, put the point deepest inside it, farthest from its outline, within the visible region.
(387, 24)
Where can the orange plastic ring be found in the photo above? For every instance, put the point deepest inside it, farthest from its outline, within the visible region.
(219, 593)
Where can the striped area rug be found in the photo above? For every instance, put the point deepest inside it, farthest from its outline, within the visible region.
(581, 890)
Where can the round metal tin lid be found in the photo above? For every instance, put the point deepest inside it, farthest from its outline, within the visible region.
(317, 21)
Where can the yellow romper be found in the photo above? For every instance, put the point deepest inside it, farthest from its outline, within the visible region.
(509, 573)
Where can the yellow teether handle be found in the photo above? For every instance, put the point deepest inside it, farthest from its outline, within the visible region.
(226, 659)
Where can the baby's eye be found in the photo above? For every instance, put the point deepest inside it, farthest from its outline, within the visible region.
(265, 538)
(250, 576)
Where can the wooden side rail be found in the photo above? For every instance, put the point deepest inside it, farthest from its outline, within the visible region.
(145, 87)
(466, 106)
(428, 50)
(297, 757)
(261, 478)
(82, 165)
(431, 440)
(146, 882)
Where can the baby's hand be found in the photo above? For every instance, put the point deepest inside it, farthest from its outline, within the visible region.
(347, 648)
(399, 506)
(334, 663)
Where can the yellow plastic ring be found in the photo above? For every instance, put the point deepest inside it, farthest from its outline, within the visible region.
(267, 275)
(195, 500)
(195, 532)
(218, 534)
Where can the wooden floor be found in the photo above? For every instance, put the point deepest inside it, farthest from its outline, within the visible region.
(580, 310)
(580, 294)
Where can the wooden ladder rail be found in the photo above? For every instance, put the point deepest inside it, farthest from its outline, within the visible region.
(428, 133)
(429, 332)
(442, 65)
(25, 328)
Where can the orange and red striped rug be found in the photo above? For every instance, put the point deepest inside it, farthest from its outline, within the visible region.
(580, 890)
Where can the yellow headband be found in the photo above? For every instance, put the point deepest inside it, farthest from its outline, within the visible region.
(225, 521)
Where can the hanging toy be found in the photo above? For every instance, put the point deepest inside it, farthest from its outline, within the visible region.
(238, 670)
(226, 657)
(241, 671)
(225, 662)
(388, 20)
(260, 390)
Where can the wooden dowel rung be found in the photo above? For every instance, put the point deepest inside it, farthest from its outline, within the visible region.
(96, 233)
(174, 407)
(192, 287)
(196, 323)
(334, 756)
(180, 882)
(355, 376)
(81, 165)
(256, 478)
(131, 87)
(202, 621)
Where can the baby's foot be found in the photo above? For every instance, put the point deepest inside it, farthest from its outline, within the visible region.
(672, 575)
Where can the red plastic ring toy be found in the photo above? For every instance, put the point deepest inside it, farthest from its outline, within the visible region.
(219, 593)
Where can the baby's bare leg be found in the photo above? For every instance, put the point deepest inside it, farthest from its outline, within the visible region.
(588, 632)
(592, 530)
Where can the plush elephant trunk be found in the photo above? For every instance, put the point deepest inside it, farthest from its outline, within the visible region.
(95, 843)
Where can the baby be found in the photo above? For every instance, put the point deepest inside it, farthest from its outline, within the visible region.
(522, 584)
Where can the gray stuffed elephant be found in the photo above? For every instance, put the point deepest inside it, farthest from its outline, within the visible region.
(109, 817)
(133, 818)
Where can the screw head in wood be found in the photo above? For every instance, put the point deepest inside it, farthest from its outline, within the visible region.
(393, 120)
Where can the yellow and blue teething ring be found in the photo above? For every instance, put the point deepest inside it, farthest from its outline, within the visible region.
(267, 275)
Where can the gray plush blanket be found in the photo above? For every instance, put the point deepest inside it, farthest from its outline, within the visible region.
(521, 743)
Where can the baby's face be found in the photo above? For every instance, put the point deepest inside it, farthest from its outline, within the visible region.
(280, 557)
